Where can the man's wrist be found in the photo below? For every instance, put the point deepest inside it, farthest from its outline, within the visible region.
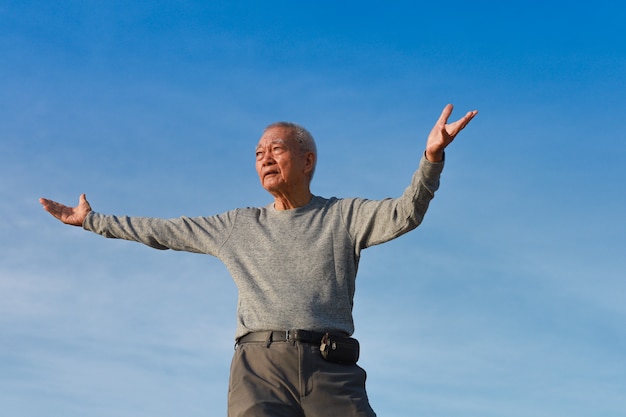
(434, 156)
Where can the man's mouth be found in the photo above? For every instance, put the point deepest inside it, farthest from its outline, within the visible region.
(270, 173)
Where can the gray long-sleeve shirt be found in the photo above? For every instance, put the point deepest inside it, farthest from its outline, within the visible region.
(294, 269)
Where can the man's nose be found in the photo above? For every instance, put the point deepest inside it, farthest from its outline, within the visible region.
(267, 159)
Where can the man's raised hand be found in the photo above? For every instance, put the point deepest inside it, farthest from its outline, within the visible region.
(443, 133)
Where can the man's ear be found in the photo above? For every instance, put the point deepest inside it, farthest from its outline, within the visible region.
(309, 162)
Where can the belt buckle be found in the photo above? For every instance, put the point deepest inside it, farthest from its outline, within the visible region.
(289, 334)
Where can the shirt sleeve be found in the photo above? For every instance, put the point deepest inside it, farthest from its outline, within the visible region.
(371, 222)
(190, 234)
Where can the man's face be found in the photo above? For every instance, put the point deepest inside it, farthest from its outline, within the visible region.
(280, 165)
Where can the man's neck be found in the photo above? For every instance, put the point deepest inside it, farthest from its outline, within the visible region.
(292, 202)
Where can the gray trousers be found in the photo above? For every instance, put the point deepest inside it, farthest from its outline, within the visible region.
(291, 379)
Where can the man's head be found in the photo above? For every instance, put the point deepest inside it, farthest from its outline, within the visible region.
(285, 158)
(303, 138)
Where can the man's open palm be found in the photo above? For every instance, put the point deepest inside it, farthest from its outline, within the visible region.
(68, 215)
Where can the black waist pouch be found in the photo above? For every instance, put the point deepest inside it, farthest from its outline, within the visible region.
(339, 349)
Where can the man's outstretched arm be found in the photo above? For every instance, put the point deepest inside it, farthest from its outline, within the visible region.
(74, 216)
(443, 133)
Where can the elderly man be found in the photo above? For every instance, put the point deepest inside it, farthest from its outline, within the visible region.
(294, 263)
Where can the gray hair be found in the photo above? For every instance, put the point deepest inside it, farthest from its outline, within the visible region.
(302, 136)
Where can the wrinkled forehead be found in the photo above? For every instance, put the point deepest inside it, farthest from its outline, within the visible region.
(263, 144)
(276, 135)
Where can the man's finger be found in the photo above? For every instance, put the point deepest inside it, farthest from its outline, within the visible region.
(445, 114)
(460, 124)
(82, 201)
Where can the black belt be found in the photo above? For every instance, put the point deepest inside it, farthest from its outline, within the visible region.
(270, 336)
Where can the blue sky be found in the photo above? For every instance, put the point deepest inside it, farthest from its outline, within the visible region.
(509, 300)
